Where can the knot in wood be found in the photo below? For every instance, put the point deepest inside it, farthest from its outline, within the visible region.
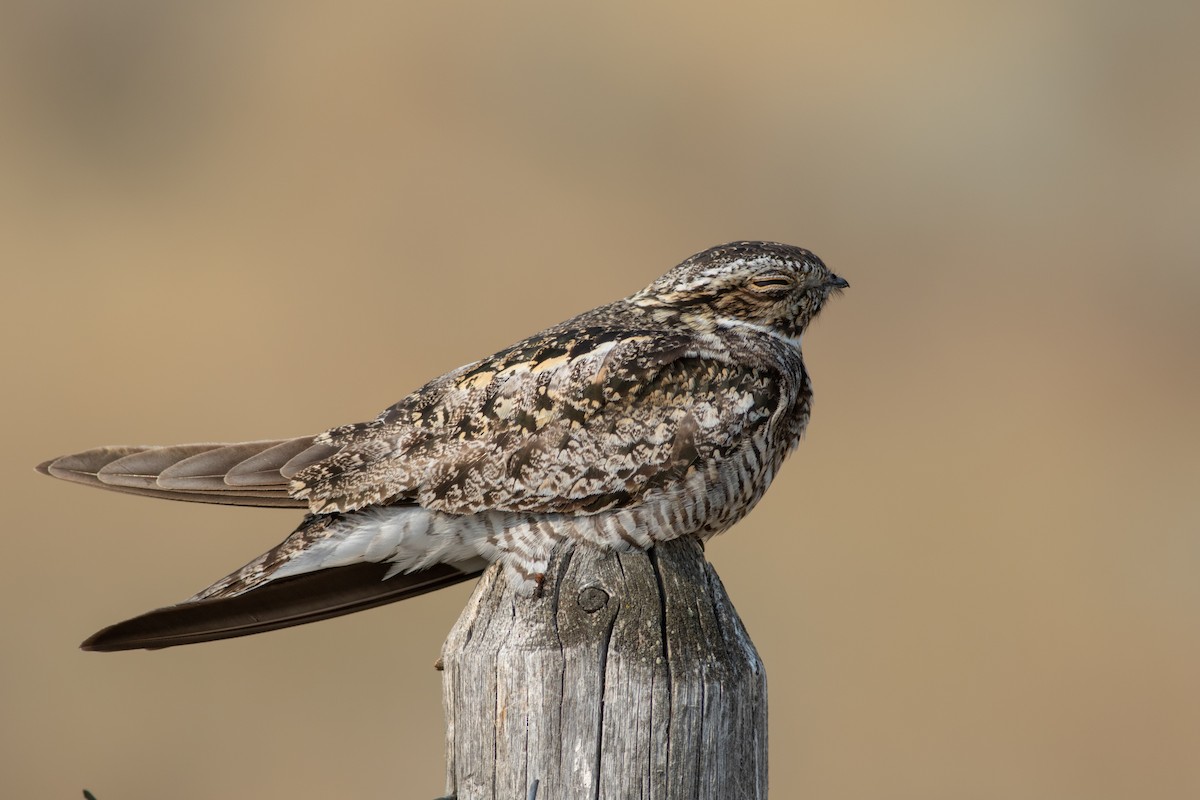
(592, 599)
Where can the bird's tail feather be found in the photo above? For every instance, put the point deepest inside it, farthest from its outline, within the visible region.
(246, 473)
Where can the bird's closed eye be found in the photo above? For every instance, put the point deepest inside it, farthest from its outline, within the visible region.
(771, 284)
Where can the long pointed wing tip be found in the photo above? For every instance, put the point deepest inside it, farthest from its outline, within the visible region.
(295, 600)
(96, 642)
(107, 640)
(132, 634)
(44, 467)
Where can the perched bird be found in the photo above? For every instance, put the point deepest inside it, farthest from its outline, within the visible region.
(664, 414)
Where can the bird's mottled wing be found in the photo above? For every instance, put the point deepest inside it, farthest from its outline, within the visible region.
(572, 421)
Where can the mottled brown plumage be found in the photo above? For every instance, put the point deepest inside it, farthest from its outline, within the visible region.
(663, 414)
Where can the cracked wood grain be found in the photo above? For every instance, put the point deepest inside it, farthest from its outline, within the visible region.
(631, 676)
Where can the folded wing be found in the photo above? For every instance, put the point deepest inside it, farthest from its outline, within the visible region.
(279, 604)
(286, 586)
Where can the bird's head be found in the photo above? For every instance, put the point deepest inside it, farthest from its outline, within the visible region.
(774, 287)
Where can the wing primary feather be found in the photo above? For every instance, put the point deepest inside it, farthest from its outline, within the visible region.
(283, 603)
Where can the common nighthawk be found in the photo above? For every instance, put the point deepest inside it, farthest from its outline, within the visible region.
(664, 414)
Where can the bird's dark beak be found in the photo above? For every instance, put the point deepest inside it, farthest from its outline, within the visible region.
(835, 282)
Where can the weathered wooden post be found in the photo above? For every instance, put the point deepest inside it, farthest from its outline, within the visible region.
(631, 677)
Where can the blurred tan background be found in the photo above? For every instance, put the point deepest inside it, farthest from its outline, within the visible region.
(977, 579)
